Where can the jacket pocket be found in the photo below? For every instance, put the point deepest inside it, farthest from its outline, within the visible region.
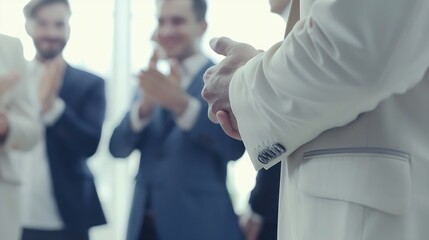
(374, 177)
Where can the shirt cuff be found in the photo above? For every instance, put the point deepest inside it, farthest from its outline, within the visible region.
(187, 119)
(137, 123)
(57, 109)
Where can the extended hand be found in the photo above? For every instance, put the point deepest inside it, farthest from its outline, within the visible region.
(218, 78)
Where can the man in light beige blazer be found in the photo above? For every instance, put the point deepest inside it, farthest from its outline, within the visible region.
(342, 103)
(18, 131)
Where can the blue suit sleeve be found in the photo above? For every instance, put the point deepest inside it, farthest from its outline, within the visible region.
(82, 131)
(124, 140)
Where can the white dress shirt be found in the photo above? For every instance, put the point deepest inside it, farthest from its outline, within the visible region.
(188, 69)
(39, 205)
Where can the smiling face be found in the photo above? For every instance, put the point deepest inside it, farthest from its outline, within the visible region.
(179, 31)
(50, 30)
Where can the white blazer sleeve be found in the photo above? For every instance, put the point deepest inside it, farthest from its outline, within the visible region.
(342, 59)
(22, 109)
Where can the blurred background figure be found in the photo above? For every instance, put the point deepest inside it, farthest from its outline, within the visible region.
(180, 190)
(60, 199)
(260, 220)
(19, 130)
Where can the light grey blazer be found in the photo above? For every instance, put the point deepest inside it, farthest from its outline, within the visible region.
(23, 134)
(342, 102)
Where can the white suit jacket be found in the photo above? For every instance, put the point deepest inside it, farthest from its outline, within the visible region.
(343, 103)
(23, 133)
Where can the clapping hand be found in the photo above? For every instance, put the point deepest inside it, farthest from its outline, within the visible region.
(161, 89)
(51, 82)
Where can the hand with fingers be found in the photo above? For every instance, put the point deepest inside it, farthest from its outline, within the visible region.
(51, 82)
(218, 78)
(146, 103)
(161, 89)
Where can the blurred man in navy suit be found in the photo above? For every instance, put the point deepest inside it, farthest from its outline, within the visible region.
(61, 201)
(180, 191)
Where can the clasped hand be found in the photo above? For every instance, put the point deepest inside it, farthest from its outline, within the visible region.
(217, 80)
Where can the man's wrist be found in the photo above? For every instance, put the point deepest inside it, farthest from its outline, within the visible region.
(254, 216)
(145, 110)
(181, 105)
(137, 120)
(47, 106)
(54, 112)
(189, 116)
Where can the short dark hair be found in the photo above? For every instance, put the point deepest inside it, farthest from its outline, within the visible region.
(33, 6)
(200, 9)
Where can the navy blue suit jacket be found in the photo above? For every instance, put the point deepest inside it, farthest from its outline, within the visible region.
(264, 200)
(182, 175)
(70, 142)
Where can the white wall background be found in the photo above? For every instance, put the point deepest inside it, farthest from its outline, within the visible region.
(111, 39)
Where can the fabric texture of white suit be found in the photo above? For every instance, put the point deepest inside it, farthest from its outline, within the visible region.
(346, 96)
(19, 106)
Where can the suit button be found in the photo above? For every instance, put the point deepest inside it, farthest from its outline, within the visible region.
(270, 153)
(279, 147)
(263, 159)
